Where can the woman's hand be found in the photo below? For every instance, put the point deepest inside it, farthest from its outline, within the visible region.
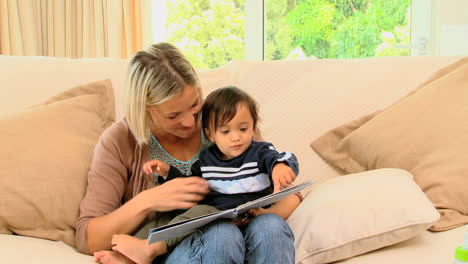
(179, 193)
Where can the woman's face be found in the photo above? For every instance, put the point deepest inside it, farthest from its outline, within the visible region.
(178, 116)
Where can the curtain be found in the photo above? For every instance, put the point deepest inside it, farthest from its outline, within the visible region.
(74, 28)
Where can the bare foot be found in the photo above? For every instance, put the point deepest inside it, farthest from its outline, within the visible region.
(111, 257)
(136, 249)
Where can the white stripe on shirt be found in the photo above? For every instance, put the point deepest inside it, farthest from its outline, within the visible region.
(228, 169)
(229, 175)
(246, 185)
(286, 156)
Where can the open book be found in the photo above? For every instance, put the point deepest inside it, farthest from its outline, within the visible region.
(183, 227)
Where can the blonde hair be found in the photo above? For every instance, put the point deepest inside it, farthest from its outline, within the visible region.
(154, 76)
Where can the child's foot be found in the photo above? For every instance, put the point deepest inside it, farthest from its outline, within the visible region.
(111, 257)
(135, 249)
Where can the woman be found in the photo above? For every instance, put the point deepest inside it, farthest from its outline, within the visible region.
(162, 106)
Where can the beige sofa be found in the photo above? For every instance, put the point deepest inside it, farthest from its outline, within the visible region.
(299, 101)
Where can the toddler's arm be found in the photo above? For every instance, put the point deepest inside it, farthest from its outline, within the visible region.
(157, 166)
(283, 208)
(282, 166)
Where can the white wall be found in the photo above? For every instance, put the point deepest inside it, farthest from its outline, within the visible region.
(449, 27)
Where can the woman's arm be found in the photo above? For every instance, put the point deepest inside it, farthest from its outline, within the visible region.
(179, 193)
(124, 220)
(101, 211)
(107, 183)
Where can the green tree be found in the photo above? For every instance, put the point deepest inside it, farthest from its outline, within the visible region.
(312, 26)
(346, 28)
(279, 34)
(399, 35)
(357, 36)
(210, 33)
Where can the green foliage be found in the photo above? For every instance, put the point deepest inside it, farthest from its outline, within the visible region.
(279, 35)
(357, 36)
(398, 36)
(211, 32)
(345, 28)
(312, 26)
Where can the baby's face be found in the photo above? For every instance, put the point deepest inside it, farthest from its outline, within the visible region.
(234, 137)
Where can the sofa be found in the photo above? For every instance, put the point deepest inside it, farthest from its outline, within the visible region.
(53, 110)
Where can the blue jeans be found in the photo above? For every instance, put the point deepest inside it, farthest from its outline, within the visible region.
(267, 239)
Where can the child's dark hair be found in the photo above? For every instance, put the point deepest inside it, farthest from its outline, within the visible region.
(220, 107)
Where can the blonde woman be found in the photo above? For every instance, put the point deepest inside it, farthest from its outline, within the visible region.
(162, 106)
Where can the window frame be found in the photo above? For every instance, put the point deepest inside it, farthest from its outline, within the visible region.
(255, 16)
(255, 26)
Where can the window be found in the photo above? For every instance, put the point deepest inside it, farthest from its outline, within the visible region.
(302, 29)
(211, 33)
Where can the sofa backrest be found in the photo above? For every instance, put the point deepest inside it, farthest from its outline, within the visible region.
(28, 80)
(299, 100)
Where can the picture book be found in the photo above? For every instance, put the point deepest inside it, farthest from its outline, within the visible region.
(183, 227)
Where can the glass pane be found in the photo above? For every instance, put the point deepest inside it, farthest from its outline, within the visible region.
(210, 33)
(305, 29)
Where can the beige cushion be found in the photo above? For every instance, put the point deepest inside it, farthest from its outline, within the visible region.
(44, 160)
(427, 248)
(39, 251)
(353, 214)
(425, 133)
(48, 76)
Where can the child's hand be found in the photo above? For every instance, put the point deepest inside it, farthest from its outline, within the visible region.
(156, 166)
(245, 219)
(258, 211)
(282, 176)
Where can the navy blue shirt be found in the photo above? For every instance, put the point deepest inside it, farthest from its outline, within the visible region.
(241, 179)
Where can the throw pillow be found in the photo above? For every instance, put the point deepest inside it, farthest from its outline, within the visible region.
(44, 160)
(425, 133)
(357, 213)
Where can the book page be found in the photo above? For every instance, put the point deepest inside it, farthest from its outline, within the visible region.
(186, 226)
(183, 227)
(271, 198)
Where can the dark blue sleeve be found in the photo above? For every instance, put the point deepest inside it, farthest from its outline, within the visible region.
(171, 174)
(269, 156)
(196, 169)
(176, 173)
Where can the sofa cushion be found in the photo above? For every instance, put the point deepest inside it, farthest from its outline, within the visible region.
(425, 133)
(44, 160)
(353, 214)
(39, 251)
